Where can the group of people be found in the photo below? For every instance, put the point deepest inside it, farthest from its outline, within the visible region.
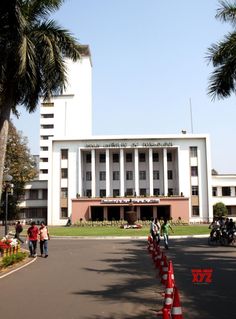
(35, 234)
(219, 224)
(157, 230)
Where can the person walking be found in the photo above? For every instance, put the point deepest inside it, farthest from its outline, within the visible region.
(43, 240)
(18, 230)
(32, 234)
(155, 230)
(165, 232)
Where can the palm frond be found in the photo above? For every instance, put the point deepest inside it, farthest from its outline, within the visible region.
(227, 12)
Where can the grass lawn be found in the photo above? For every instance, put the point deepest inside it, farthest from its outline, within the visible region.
(116, 231)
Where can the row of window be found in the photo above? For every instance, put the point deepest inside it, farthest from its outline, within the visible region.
(129, 175)
(128, 192)
(225, 191)
(35, 194)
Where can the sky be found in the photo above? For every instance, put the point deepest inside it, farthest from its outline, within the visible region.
(150, 71)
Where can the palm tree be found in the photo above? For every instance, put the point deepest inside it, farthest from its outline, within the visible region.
(222, 55)
(32, 52)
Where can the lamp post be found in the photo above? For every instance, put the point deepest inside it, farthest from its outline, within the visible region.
(8, 187)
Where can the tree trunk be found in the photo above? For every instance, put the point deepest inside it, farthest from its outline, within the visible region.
(4, 124)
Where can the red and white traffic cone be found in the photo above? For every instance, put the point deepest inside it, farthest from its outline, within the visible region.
(158, 259)
(169, 291)
(176, 310)
(164, 276)
(163, 266)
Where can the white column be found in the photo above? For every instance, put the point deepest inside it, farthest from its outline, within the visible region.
(80, 173)
(93, 165)
(165, 174)
(136, 172)
(107, 173)
(122, 173)
(150, 172)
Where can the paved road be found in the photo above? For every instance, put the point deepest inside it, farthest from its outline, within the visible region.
(116, 279)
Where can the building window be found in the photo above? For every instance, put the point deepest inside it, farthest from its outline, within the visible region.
(102, 193)
(47, 104)
(142, 175)
(88, 176)
(142, 157)
(47, 116)
(88, 193)
(214, 191)
(116, 192)
(47, 126)
(116, 176)
(64, 153)
(64, 173)
(194, 171)
(226, 191)
(143, 191)
(43, 171)
(156, 191)
(64, 192)
(129, 175)
(195, 210)
(193, 151)
(45, 194)
(129, 191)
(170, 174)
(44, 148)
(33, 194)
(194, 190)
(170, 192)
(43, 159)
(102, 176)
(102, 158)
(88, 158)
(129, 157)
(64, 212)
(169, 157)
(116, 157)
(155, 157)
(156, 175)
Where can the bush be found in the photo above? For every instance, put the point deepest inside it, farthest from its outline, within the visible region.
(13, 259)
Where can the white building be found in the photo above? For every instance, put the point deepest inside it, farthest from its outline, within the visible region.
(101, 177)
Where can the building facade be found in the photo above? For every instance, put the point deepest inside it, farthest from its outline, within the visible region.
(103, 177)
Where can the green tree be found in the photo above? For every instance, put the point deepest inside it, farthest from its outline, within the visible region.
(32, 52)
(222, 55)
(219, 210)
(20, 165)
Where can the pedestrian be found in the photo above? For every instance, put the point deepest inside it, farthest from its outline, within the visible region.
(32, 234)
(165, 232)
(155, 230)
(43, 240)
(18, 230)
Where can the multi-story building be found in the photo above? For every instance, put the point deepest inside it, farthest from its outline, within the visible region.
(68, 114)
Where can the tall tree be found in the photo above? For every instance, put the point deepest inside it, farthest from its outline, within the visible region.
(222, 55)
(32, 52)
(20, 164)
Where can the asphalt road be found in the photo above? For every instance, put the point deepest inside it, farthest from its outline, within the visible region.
(116, 279)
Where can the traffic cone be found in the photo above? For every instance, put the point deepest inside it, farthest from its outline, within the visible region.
(171, 269)
(168, 294)
(176, 310)
(150, 244)
(164, 276)
(158, 259)
(165, 313)
(163, 266)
